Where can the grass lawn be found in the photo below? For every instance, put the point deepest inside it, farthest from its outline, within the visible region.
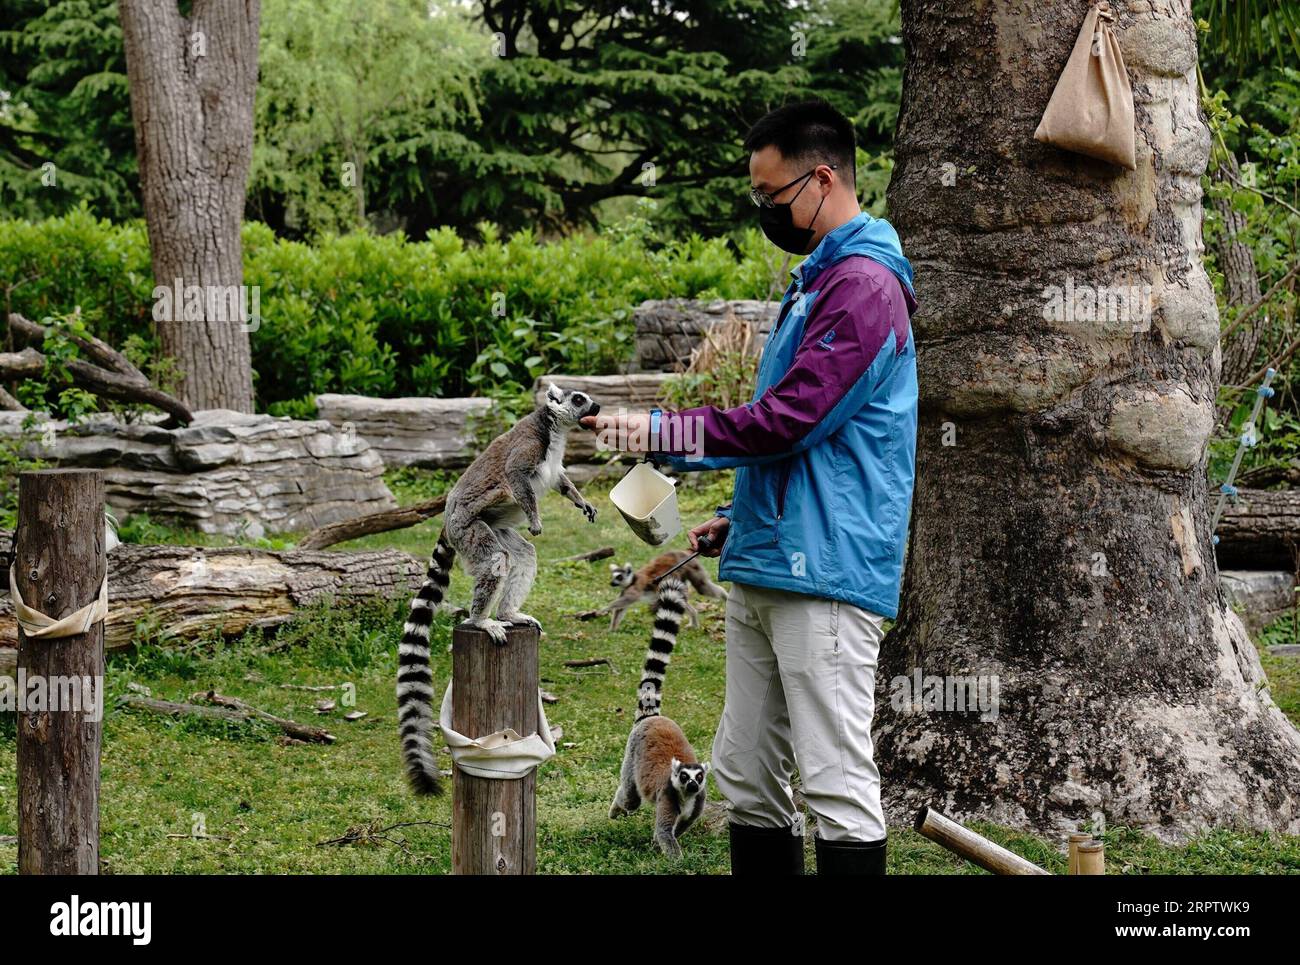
(267, 807)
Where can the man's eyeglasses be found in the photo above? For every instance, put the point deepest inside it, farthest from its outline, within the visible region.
(765, 200)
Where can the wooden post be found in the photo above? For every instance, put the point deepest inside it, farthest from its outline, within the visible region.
(494, 822)
(59, 566)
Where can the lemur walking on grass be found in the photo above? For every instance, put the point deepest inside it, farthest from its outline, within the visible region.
(497, 493)
(659, 764)
(640, 585)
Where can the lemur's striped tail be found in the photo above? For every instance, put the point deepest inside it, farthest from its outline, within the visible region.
(415, 678)
(669, 610)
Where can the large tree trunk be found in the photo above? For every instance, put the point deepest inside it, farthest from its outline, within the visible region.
(192, 83)
(1060, 534)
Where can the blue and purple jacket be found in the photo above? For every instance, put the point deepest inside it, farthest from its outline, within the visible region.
(825, 454)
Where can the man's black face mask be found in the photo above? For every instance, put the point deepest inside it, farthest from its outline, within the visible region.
(777, 220)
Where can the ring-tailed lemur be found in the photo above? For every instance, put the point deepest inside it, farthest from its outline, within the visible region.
(640, 585)
(498, 492)
(659, 763)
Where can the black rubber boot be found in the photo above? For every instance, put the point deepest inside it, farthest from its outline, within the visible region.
(765, 851)
(850, 857)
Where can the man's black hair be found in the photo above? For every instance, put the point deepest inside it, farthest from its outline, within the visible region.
(812, 131)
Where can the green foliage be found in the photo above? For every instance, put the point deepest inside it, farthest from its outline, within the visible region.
(380, 315)
(65, 124)
(1250, 27)
(13, 462)
(343, 89)
(449, 113)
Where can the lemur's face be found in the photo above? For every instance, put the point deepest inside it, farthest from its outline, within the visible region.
(689, 778)
(569, 406)
(620, 575)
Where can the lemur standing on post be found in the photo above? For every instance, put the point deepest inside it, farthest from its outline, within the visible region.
(640, 585)
(659, 763)
(497, 493)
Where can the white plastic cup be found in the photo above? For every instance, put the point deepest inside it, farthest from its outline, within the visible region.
(648, 501)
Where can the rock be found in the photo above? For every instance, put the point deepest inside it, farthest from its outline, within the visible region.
(433, 433)
(228, 472)
(667, 331)
(1258, 596)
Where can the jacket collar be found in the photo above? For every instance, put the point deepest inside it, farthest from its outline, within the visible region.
(824, 254)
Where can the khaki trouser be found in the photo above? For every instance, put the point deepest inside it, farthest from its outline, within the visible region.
(801, 674)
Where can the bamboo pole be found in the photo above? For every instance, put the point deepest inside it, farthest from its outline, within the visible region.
(1076, 839)
(1092, 858)
(973, 847)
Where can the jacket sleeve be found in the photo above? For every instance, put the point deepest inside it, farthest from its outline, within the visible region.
(827, 383)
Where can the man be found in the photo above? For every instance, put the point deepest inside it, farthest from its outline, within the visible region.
(813, 541)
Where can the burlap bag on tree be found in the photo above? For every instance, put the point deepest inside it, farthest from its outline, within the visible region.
(1091, 110)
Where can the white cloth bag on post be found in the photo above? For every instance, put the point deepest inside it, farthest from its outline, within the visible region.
(502, 755)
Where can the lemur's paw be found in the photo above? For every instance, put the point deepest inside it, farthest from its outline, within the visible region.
(495, 629)
(521, 619)
(589, 511)
(616, 810)
(669, 847)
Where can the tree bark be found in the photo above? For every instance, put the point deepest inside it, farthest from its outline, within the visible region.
(1240, 276)
(192, 82)
(1060, 537)
(59, 568)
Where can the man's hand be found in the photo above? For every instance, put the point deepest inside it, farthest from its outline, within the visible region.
(717, 529)
(629, 431)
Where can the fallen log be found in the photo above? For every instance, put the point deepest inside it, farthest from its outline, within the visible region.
(1260, 531)
(187, 591)
(589, 557)
(227, 708)
(381, 522)
(110, 375)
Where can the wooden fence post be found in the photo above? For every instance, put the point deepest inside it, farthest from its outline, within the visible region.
(59, 565)
(494, 822)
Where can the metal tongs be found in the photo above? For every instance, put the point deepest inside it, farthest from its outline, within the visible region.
(704, 543)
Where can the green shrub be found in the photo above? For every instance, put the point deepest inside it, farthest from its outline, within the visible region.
(382, 315)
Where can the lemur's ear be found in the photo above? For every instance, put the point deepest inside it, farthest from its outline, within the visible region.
(554, 392)
(613, 567)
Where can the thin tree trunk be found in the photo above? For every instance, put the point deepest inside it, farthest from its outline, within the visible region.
(192, 85)
(1060, 538)
(1241, 279)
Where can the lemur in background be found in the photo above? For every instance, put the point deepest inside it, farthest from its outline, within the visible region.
(497, 493)
(659, 763)
(640, 585)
